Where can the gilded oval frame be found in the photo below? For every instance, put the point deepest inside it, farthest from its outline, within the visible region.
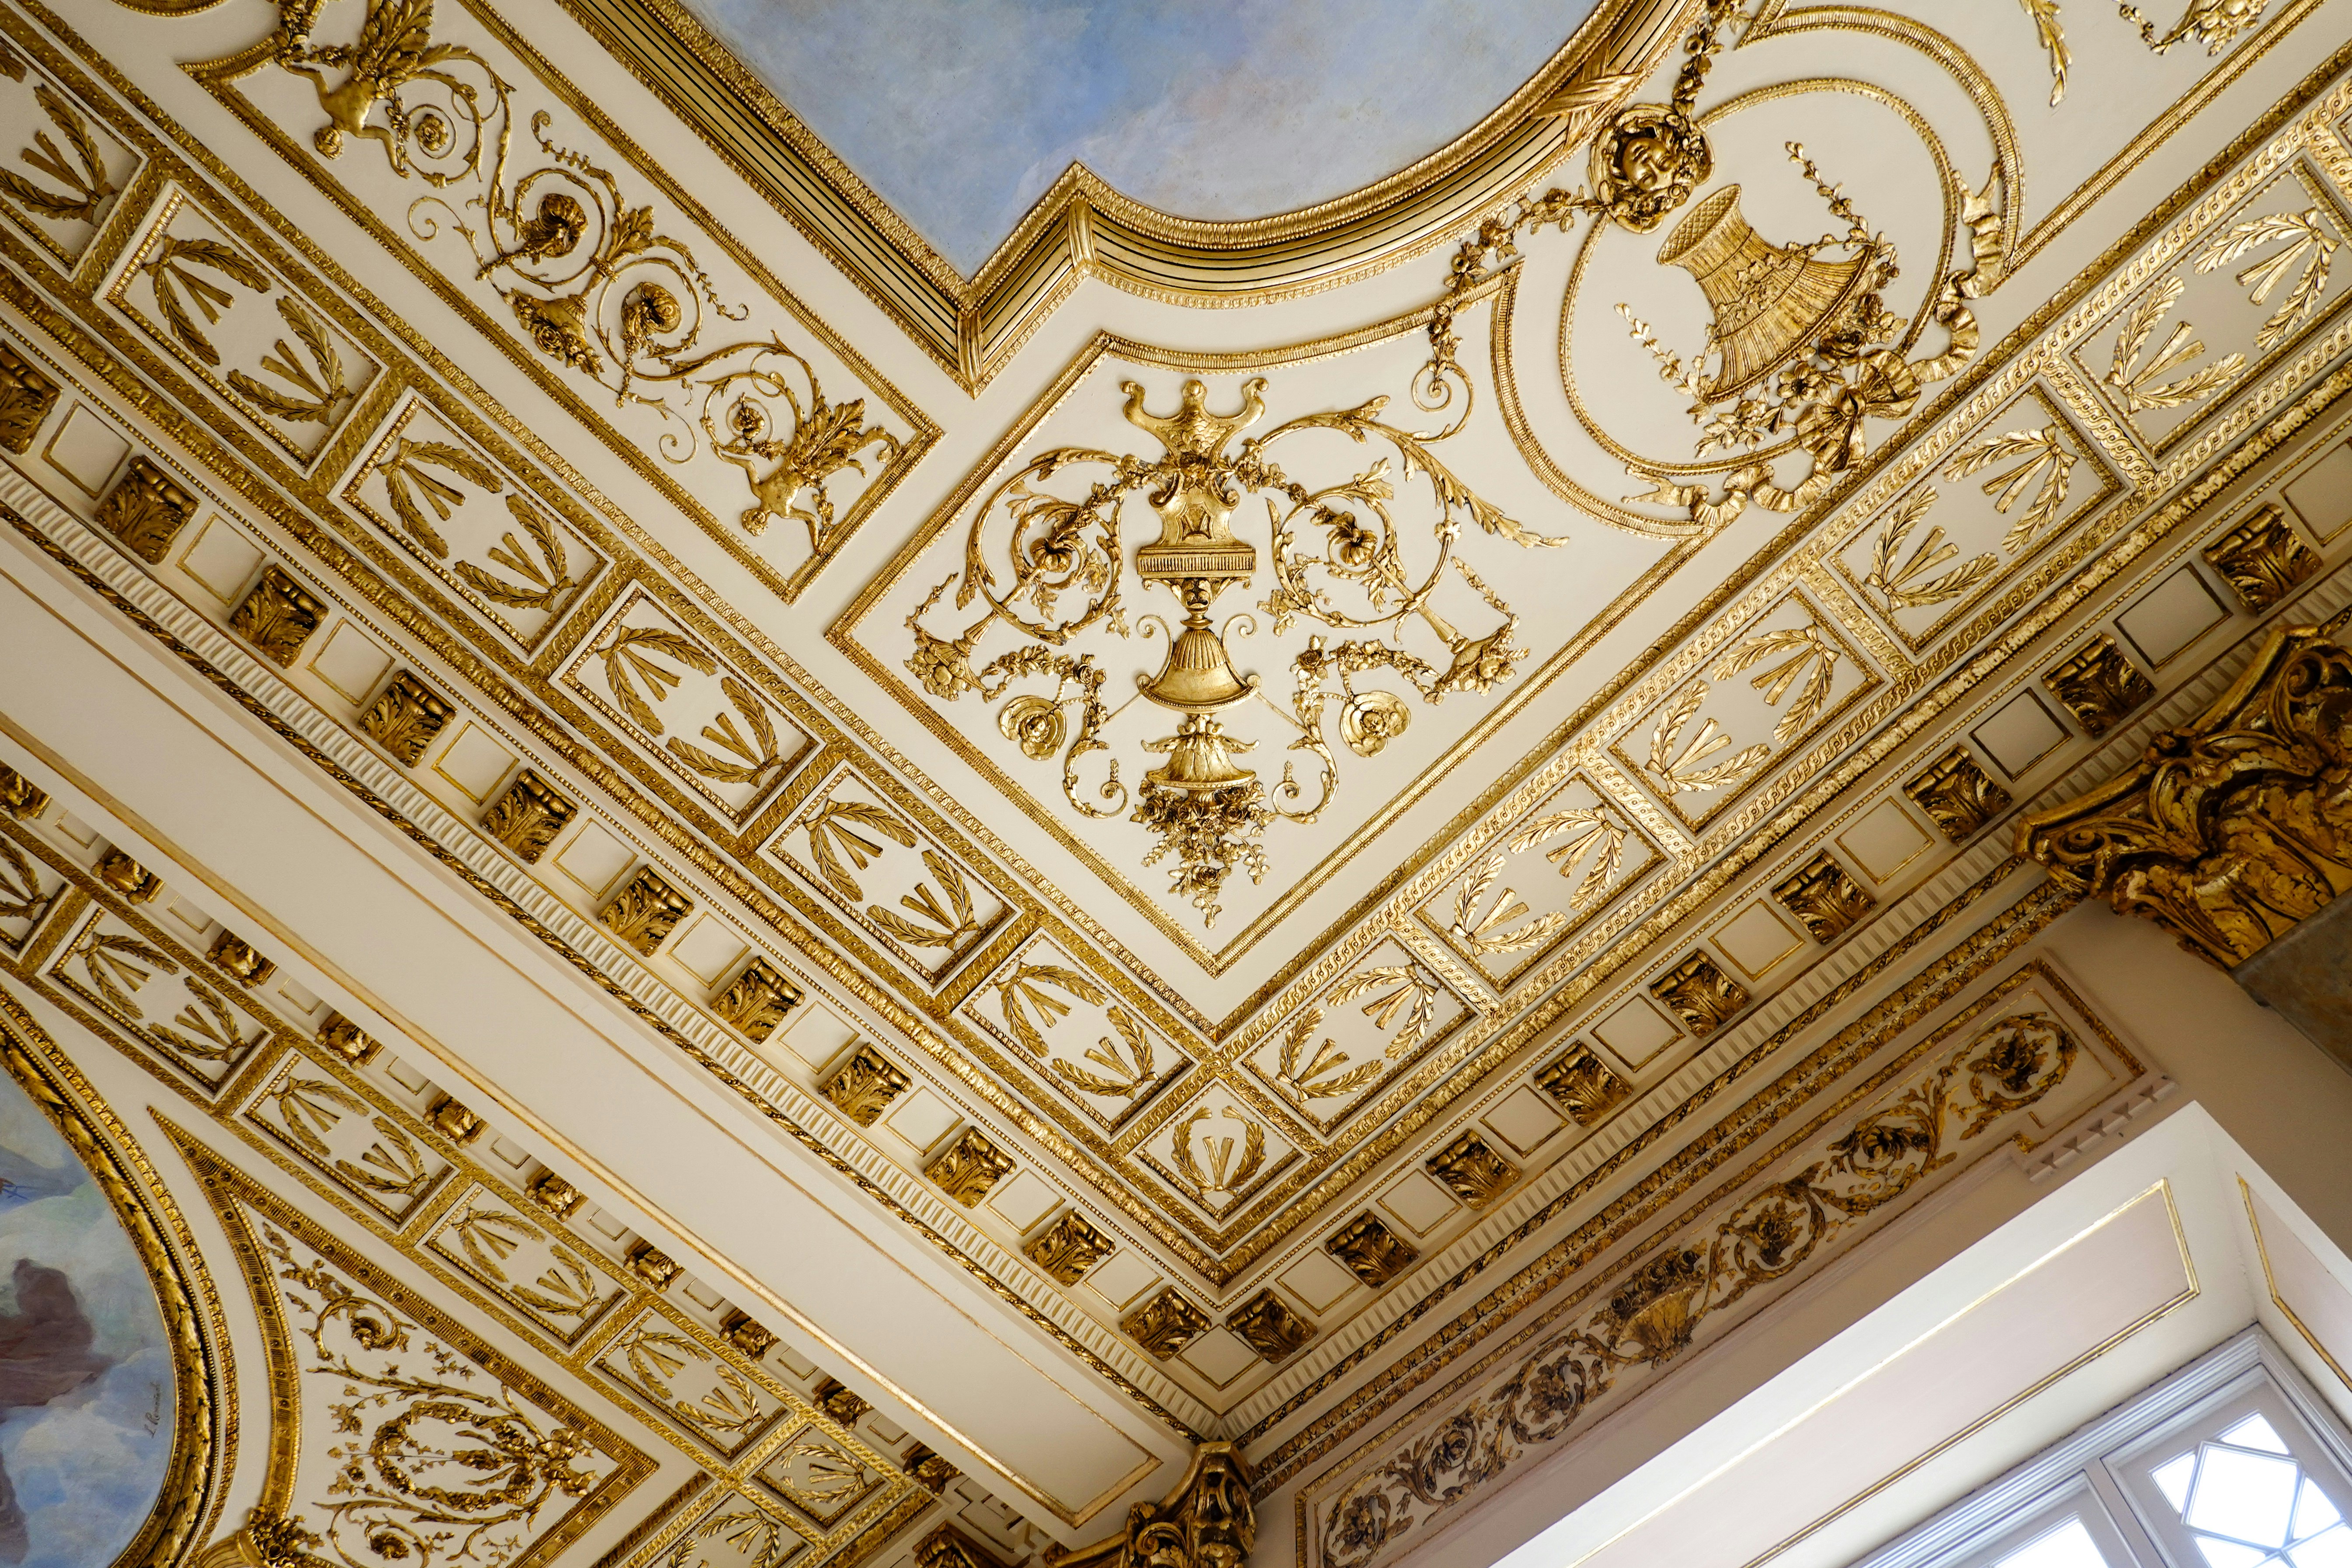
(204, 1421)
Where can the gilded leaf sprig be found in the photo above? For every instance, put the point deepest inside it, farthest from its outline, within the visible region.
(1488, 935)
(1810, 656)
(2140, 385)
(1682, 765)
(324, 388)
(1915, 584)
(2308, 240)
(312, 1108)
(1324, 1073)
(1225, 1173)
(628, 661)
(119, 966)
(1582, 830)
(757, 748)
(2051, 34)
(542, 565)
(944, 915)
(86, 183)
(1127, 1066)
(731, 1408)
(1403, 990)
(1030, 1005)
(406, 480)
(564, 1288)
(207, 1029)
(21, 898)
(2041, 457)
(171, 270)
(840, 833)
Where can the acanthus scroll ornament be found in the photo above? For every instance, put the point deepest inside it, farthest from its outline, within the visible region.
(591, 281)
(1339, 556)
(2233, 828)
(1208, 1521)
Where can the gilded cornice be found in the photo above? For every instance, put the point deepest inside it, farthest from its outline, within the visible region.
(1931, 1107)
(391, 1154)
(1082, 228)
(2096, 473)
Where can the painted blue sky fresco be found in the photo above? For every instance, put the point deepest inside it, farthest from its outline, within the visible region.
(961, 113)
(86, 1398)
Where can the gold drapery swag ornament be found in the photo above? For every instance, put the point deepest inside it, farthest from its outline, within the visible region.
(2237, 826)
(1208, 1521)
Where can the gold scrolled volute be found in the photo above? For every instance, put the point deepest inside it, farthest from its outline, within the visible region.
(1208, 1521)
(2235, 828)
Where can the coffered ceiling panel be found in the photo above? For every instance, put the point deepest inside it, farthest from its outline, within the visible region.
(1216, 830)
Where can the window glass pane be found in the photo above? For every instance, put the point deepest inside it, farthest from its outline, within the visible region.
(2249, 1496)
(2231, 1554)
(2255, 1432)
(2173, 1478)
(2330, 1549)
(2313, 1511)
(2068, 1546)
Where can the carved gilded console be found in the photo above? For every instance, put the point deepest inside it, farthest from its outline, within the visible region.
(2232, 829)
(1208, 1521)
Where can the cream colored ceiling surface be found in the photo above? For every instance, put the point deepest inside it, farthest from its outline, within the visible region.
(1230, 833)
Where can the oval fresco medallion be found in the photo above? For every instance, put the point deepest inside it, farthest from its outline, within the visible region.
(87, 1385)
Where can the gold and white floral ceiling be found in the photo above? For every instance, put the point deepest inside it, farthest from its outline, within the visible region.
(1224, 774)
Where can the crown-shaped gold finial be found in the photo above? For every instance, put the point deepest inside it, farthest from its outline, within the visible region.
(1192, 431)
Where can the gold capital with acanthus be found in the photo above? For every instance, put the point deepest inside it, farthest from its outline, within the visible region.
(2235, 828)
(1208, 1521)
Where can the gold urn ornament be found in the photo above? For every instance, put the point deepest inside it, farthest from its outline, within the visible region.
(1771, 302)
(1367, 555)
(1196, 555)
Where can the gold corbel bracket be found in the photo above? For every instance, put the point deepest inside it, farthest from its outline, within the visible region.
(2232, 829)
(1208, 1521)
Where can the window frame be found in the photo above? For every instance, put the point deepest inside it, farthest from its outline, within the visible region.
(2103, 1471)
(2319, 1452)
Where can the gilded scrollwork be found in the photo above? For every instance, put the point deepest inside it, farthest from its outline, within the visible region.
(420, 1444)
(587, 275)
(2232, 828)
(1800, 353)
(2216, 24)
(1657, 1306)
(1050, 565)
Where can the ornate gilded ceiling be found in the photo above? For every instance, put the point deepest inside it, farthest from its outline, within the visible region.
(1216, 827)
